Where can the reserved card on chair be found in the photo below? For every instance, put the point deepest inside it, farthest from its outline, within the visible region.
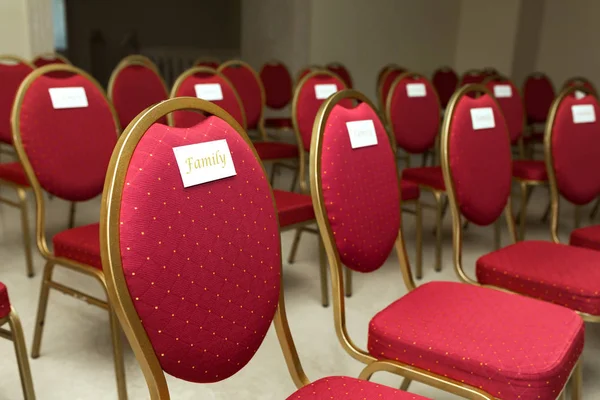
(362, 133)
(416, 90)
(325, 90)
(503, 91)
(482, 118)
(209, 91)
(204, 162)
(68, 97)
(583, 113)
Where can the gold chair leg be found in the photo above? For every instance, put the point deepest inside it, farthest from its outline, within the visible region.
(72, 215)
(348, 283)
(419, 239)
(292, 256)
(323, 268)
(577, 216)
(438, 231)
(26, 232)
(497, 234)
(595, 209)
(523, 211)
(274, 171)
(21, 353)
(42, 308)
(405, 384)
(118, 355)
(577, 381)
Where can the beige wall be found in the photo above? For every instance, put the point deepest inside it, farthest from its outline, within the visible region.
(25, 27)
(528, 38)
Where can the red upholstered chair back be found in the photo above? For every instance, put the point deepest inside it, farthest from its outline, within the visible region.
(341, 71)
(189, 84)
(490, 72)
(209, 63)
(355, 190)
(249, 87)
(386, 81)
(476, 159)
(509, 98)
(277, 81)
(472, 76)
(134, 86)
(573, 138)
(581, 81)
(305, 104)
(194, 272)
(13, 71)
(47, 59)
(538, 94)
(64, 151)
(445, 81)
(413, 112)
(305, 71)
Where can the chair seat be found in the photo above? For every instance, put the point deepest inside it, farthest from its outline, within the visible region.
(4, 302)
(531, 170)
(489, 339)
(13, 172)
(557, 273)
(293, 208)
(409, 190)
(281, 123)
(588, 237)
(81, 244)
(427, 176)
(274, 150)
(340, 387)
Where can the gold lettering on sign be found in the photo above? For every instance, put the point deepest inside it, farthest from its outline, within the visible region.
(211, 161)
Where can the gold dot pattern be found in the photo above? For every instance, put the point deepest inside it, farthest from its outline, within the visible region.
(339, 387)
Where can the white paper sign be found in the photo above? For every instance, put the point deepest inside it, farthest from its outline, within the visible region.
(583, 113)
(325, 90)
(204, 162)
(362, 133)
(68, 97)
(416, 90)
(209, 91)
(502, 91)
(579, 94)
(482, 118)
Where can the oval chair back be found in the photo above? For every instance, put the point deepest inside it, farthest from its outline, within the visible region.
(50, 58)
(387, 76)
(206, 62)
(207, 84)
(538, 95)
(445, 81)
(581, 81)
(413, 113)
(340, 70)
(135, 84)
(277, 81)
(472, 76)
(508, 96)
(13, 71)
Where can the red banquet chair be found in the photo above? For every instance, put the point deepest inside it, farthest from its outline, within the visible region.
(538, 95)
(9, 316)
(385, 78)
(227, 297)
(305, 71)
(50, 58)
(340, 70)
(294, 210)
(135, 84)
(472, 76)
(64, 144)
(277, 81)
(476, 342)
(445, 81)
(206, 62)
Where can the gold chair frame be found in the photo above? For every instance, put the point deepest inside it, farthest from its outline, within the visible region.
(55, 56)
(310, 68)
(111, 251)
(338, 64)
(580, 81)
(199, 60)
(382, 76)
(457, 227)
(373, 365)
(42, 244)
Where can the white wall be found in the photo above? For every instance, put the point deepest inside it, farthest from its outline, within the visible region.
(25, 27)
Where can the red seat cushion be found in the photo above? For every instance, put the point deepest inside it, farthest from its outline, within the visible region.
(531, 170)
(293, 208)
(427, 176)
(561, 274)
(274, 151)
(409, 190)
(4, 302)
(13, 172)
(81, 244)
(489, 339)
(284, 122)
(341, 387)
(588, 236)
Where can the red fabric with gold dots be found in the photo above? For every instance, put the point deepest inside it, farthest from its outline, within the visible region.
(480, 162)
(69, 149)
(275, 150)
(81, 244)
(229, 103)
(360, 190)
(11, 77)
(202, 263)
(512, 109)
(293, 208)
(538, 95)
(340, 387)
(342, 72)
(557, 273)
(249, 89)
(415, 120)
(277, 82)
(409, 190)
(13, 172)
(574, 152)
(307, 105)
(508, 345)
(135, 88)
(588, 236)
(4, 301)
(445, 81)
